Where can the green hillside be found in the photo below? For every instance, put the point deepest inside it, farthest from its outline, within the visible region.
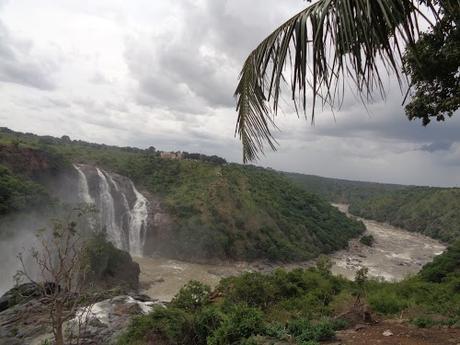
(427, 210)
(19, 193)
(430, 211)
(218, 210)
(342, 191)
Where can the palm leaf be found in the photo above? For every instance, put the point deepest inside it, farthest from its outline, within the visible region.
(326, 44)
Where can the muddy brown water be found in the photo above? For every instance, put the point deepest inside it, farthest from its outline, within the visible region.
(396, 254)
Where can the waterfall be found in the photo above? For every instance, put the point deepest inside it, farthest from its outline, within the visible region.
(123, 210)
(83, 188)
(137, 223)
(107, 210)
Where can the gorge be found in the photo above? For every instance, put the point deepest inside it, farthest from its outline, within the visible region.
(242, 230)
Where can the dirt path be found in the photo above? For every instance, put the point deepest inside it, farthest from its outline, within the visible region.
(403, 334)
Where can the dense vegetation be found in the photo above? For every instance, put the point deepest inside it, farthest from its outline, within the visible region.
(107, 266)
(19, 193)
(428, 210)
(225, 211)
(342, 191)
(302, 305)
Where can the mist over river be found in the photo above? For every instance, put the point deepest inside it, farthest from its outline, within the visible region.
(395, 254)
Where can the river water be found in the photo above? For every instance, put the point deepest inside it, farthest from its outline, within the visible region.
(396, 254)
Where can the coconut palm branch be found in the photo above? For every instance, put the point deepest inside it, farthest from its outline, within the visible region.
(328, 44)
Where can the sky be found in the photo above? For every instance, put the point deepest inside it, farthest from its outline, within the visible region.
(163, 73)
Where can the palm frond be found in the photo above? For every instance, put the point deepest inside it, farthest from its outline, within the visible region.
(325, 44)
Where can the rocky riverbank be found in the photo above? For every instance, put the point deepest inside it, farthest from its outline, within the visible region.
(28, 322)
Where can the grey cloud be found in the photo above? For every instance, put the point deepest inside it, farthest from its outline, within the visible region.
(182, 59)
(387, 121)
(196, 67)
(19, 67)
(437, 146)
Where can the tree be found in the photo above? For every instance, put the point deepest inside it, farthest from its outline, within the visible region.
(334, 42)
(61, 280)
(433, 66)
(324, 265)
(360, 282)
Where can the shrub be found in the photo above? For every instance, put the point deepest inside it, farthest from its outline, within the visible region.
(387, 302)
(253, 289)
(367, 240)
(423, 322)
(172, 325)
(206, 321)
(242, 322)
(443, 265)
(192, 296)
(304, 331)
(276, 330)
(324, 265)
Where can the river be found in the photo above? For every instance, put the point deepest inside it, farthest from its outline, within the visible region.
(395, 254)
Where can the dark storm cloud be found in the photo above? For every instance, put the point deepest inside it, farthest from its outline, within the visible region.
(18, 67)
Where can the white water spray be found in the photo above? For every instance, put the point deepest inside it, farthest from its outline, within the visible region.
(123, 210)
(83, 188)
(138, 223)
(107, 210)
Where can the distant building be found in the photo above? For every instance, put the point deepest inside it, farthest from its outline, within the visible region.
(171, 155)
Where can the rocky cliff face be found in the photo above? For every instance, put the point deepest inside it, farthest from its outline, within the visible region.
(26, 161)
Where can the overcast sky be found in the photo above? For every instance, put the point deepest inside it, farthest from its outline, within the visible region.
(162, 73)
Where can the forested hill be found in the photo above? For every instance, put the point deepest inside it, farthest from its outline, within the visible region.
(216, 210)
(431, 211)
(342, 191)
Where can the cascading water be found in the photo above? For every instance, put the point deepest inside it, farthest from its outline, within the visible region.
(137, 223)
(123, 210)
(83, 188)
(107, 210)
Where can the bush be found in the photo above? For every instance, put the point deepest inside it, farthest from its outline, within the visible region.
(241, 323)
(206, 322)
(253, 289)
(423, 322)
(387, 302)
(324, 265)
(443, 266)
(276, 330)
(367, 240)
(304, 331)
(172, 325)
(192, 296)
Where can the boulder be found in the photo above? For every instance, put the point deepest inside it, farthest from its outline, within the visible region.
(23, 293)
